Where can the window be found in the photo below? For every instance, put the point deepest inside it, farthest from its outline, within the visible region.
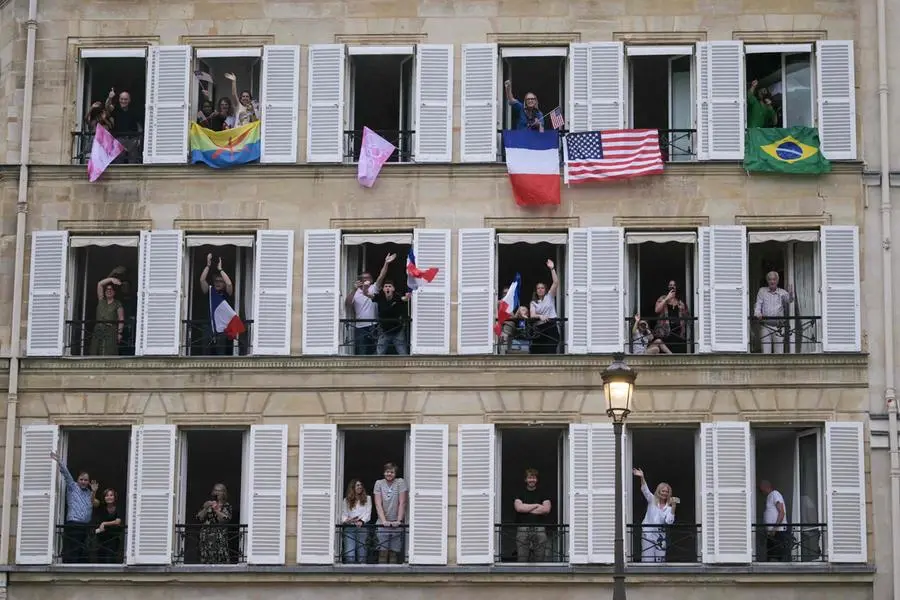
(414, 112)
(785, 74)
(210, 84)
(658, 263)
(537, 70)
(665, 72)
(100, 71)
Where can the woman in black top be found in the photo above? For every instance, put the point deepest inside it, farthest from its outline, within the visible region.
(109, 529)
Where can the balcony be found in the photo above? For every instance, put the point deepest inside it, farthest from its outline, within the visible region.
(531, 544)
(370, 544)
(678, 543)
(83, 544)
(212, 544)
(99, 338)
(676, 145)
(532, 336)
(198, 340)
(800, 542)
(401, 139)
(675, 334)
(363, 337)
(788, 335)
(82, 142)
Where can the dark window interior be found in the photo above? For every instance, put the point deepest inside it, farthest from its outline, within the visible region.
(382, 88)
(650, 91)
(766, 69)
(544, 76)
(103, 453)
(530, 262)
(122, 74)
(245, 68)
(659, 264)
(370, 258)
(197, 332)
(365, 453)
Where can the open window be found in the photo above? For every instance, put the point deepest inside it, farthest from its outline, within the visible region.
(537, 70)
(656, 260)
(785, 72)
(664, 72)
(101, 70)
(209, 83)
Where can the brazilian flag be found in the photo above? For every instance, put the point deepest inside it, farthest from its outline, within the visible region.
(794, 150)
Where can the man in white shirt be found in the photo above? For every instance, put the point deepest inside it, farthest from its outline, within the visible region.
(362, 308)
(778, 538)
(772, 304)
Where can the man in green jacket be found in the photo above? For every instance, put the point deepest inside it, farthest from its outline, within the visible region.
(760, 112)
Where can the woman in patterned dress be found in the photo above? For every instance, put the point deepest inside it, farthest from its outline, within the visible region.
(214, 516)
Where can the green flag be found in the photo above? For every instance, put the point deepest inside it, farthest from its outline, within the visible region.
(794, 150)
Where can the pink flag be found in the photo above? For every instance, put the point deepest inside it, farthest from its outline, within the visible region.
(375, 152)
(105, 150)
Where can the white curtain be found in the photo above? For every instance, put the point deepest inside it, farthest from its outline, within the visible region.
(806, 331)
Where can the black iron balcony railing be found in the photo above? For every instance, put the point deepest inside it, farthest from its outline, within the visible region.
(369, 337)
(531, 543)
(82, 143)
(663, 335)
(797, 542)
(85, 544)
(213, 544)
(370, 544)
(99, 338)
(785, 335)
(200, 340)
(401, 139)
(678, 145)
(677, 543)
(532, 336)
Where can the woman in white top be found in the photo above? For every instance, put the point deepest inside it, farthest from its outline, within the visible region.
(543, 311)
(660, 512)
(355, 516)
(246, 108)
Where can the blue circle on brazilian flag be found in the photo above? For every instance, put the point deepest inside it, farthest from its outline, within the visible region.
(789, 151)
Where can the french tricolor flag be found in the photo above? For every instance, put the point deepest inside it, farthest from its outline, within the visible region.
(414, 274)
(508, 304)
(532, 159)
(224, 319)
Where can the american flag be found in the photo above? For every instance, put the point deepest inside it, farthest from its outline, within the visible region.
(611, 155)
(557, 121)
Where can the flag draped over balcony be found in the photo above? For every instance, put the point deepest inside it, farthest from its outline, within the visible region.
(222, 149)
(611, 155)
(532, 159)
(774, 150)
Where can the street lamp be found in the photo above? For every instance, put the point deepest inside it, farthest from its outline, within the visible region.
(618, 389)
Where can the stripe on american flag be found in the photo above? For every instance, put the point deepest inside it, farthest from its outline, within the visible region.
(612, 154)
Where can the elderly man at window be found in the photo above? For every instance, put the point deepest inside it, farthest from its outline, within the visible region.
(772, 304)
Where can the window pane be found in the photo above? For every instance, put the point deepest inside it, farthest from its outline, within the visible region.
(798, 83)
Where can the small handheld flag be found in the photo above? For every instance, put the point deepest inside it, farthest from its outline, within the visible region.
(224, 319)
(508, 304)
(414, 274)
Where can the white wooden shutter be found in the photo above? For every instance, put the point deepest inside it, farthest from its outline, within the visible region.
(840, 289)
(431, 302)
(729, 299)
(316, 502)
(168, 101)
(606, 300)
(280, 103)
(36, 526)
(150, 514)
(159, 293)
(845, 492)
(577, 283)
(321, 286)
(475, 481)
(602, 499)
(606, 85)
(478, 142)
(579, 493)
(704, 304)
(273, 292)
(835, 73)
(325, 112)
(726, 485)
(702, 116)
(578, 117)
(727, 99)
(434, 103)
(428, 495)
(268, 487)
(47, 293)
(476, 292)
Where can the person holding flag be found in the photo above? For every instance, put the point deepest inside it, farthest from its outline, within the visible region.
(527, 115)
(225, 324)
(415, 275)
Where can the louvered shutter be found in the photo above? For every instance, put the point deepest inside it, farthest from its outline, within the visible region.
(159, 293)
(47, 293)
(606, 85)
(316, 503)
(168, 101)
(153, 492)
(728, 289)
(845, 492)
(606, 300)
(726, 485)
(476, 292)
(272, 292)
(428, 495)
(268, 487)
(840, 289)
(577, 282)
(602, 502)
(321, 286)
(325, 111)
(704, 307)
(434, 103)
(478, 142)
(431, 302)
(579, 493)
(702, 116)
(280, 103)
(475, 480)
(835, 72)
(727, 99)
(36, 526)
(579, 97)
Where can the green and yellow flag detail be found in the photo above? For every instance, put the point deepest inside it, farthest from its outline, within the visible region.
(775, 150)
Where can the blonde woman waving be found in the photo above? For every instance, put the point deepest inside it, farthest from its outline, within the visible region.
(660, 512)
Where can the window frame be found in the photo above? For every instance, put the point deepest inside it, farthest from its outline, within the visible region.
(504, 113)
(200, 54)
(791, 49)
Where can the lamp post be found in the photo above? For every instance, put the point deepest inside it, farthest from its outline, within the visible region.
(618, 389)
